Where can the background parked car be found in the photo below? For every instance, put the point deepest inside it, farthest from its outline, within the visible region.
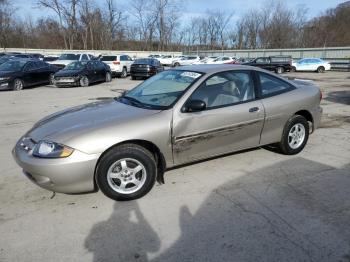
(278, 64)
(119, 64)
(16, 74)
(65, 59)
(167, 60)
(223, 60)
(145, 67)
(205, 60)
(50, 58)
(187, 60)
(311, 64)
(83, 73)
(6, 58)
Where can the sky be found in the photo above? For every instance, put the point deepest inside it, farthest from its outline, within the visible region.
(26, 8)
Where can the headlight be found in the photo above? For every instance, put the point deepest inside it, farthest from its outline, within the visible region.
(47, 149)
(4, 78)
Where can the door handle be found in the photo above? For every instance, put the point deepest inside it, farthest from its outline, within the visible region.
(253, 109)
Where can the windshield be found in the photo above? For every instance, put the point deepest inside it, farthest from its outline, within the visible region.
(76, 66)
(68, 57)
(162, 90)
(14, 65)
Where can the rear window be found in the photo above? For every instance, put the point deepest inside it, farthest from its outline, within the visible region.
(109, 58)
(144, 61)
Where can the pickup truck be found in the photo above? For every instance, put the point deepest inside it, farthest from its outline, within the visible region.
(278, 64)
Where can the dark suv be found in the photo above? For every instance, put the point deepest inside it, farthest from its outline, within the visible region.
(278, 64)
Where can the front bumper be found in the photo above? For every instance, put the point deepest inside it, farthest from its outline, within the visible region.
(4, 85)
(58, 82)
(74, 174)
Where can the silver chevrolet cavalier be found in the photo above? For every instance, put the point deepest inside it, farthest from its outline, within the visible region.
(123, 145)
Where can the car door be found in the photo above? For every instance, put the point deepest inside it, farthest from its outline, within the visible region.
(43, 71)
(232, 120)
(276, 96)
(101, 70)
(31, 74)
(92, 72)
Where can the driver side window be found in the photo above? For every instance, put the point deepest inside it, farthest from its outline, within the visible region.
(225, 89)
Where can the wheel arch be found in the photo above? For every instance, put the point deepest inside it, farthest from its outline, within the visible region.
(308, 116)
(158, 155)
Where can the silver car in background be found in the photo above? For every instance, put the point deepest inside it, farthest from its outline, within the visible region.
(123, 146)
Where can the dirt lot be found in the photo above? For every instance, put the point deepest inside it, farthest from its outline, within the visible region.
(252, 206)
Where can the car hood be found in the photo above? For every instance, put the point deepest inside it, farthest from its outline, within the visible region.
(8, 73)
(63, 73)
(74, 122)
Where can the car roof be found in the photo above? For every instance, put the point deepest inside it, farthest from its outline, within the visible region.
(25, 59)
(209, 69)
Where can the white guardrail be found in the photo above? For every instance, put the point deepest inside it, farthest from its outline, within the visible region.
(56, 52)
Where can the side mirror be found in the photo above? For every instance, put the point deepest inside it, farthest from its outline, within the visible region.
(195, 106)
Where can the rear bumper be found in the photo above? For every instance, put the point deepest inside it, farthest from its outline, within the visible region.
(317, 116)
(142, 73)
(74, 174)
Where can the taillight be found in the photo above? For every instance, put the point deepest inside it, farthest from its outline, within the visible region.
(116, 62)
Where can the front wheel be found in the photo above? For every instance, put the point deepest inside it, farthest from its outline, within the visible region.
(84, 81)
(295, 135)
(17, 85)
(51, 79)
(126, 172)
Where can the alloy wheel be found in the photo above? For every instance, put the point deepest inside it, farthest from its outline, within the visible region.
(296, 136)
(126, 175)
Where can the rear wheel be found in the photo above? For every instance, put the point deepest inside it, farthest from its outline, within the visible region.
(108, 77)
(126, 172)
(176, 64)
(295, 135)
(293, 69)
(320, 69)
(17, 85)
(84, 81)
(133, 77)
(279, 70)
(124, 73)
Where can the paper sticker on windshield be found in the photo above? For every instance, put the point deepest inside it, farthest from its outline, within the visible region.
(191, 74)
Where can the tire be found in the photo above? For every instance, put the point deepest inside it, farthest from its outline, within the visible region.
(293, 143)
(51, 79)
(293, 69)
(279, 70)
(176, 64)
(18, 84)
(108, 77)
(124, 73)
(133, 77)
(84, 81)
(119, 165)
(320, 69)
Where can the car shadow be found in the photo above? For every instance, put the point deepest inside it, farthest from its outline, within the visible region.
(295, 210)
(340, 97)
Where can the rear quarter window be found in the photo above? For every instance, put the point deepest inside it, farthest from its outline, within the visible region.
(270, 85)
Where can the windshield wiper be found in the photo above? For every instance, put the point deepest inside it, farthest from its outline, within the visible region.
(136, 102)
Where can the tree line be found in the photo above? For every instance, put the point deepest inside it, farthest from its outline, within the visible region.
(160, 25)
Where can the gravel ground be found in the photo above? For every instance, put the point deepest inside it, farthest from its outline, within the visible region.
(251, 206)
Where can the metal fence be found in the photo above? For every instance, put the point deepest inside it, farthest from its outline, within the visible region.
(327, 53)
(56, 52)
